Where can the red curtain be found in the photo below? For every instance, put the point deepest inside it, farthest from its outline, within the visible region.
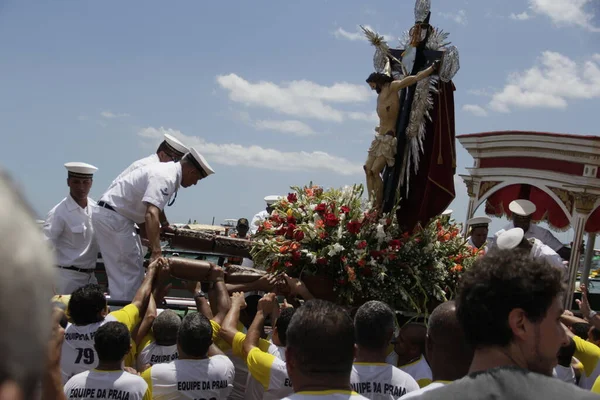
(547, 209)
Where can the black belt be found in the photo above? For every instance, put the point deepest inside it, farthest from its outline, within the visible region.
(104, 204)
(72, 268)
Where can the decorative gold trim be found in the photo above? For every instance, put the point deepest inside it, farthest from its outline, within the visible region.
(565, 196)
(485, 187)
(584, 202)
(470, 184)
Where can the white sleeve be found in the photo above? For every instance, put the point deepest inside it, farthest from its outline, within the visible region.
(53, 226)
(551, 241)
(158, 192)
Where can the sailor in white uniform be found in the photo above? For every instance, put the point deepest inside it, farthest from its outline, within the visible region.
(522, 210)
(138, 198)
(264, 214)
(170, 150)
(515, 238)
(68, 227)
(478, 228)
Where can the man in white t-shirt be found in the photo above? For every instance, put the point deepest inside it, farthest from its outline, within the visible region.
(446, 347)
(371, 376)
(261, 216)
(108, 380)
(137, 198)
(88, 311)
(199, 373)
(159, 346)
(320, 352)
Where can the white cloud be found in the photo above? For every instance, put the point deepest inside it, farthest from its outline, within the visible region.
(460, 17)
(566, 12)
(358, 34)
(288, 126)
(303, 98)
(474, 109)
(479, 92)
(259, 157)
(551, 84)
(520, 17)
(361, 116)
(596, 57)
(111, 115)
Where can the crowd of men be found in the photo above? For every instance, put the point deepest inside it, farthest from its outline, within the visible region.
(505, 336)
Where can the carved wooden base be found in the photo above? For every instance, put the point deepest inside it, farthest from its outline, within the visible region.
(187, 239)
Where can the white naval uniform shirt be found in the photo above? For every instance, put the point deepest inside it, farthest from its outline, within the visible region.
(381, 381)
(69, 228)
(210, 378)
(97, 384)
(152, 184)
(257, 220)
(151, 159)
(540, 250)
(537, 232)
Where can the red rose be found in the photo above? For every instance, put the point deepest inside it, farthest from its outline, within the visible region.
(281, 231)
(323, 235)
(322, 261)
(298, 236)
(275, 264)
(375, 253)
(296, 255)
(291, 219)
(290, 230)
(392, 256)
(292, 198)
(362, 262)
(395, 243)
(353, 227)
(345, 209)
(321, 208)
(288, 264)
(362, 244)
(331, 220)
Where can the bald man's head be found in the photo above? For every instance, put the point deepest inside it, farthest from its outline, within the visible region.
(446, 347)
(410, 343)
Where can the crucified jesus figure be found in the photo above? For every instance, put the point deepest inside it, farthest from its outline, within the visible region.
(383, 148)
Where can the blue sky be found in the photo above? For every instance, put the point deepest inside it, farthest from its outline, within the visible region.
(272, 92)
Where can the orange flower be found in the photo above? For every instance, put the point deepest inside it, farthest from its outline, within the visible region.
(268, 225)
(284, 249)
(351, 273)
(309, 192)
(457, 268)
(294, 246)
(319, 224)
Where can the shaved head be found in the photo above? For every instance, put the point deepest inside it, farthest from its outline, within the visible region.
(447, 349)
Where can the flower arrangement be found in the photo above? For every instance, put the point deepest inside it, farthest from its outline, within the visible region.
(336, 235)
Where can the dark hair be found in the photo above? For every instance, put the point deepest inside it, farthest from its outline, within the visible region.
(581, 329)
(165, 328)
(379, 79)
(195, 335)
(320, 338)
(283, 322)
(445, 333)
(112, 341)
(374, 325)
(499, 282)
(595, 334)
(86, 303)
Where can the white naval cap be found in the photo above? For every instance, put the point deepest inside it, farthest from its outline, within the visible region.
(510, 239)
(522, 207)
(447, 212)
(176, 145)
(199, 161)
(477, 222)
(80, 169)
(272, 199)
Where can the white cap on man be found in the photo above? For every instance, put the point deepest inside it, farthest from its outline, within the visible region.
(522, 207)
(478, 222)
(272, 199)
(80, 170)
(175, 145)
(510, 239)
(447, 213)
(199, 161)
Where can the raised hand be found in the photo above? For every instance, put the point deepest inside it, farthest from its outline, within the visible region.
(267, 304)
(238, 300)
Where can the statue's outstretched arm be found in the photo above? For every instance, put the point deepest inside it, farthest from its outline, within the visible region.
(412, 79)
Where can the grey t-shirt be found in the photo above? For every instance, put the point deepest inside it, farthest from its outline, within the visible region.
(508, 383)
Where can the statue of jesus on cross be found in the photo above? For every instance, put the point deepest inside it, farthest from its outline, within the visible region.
(383, 148)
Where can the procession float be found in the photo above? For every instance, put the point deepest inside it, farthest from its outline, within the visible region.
(389, 242)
